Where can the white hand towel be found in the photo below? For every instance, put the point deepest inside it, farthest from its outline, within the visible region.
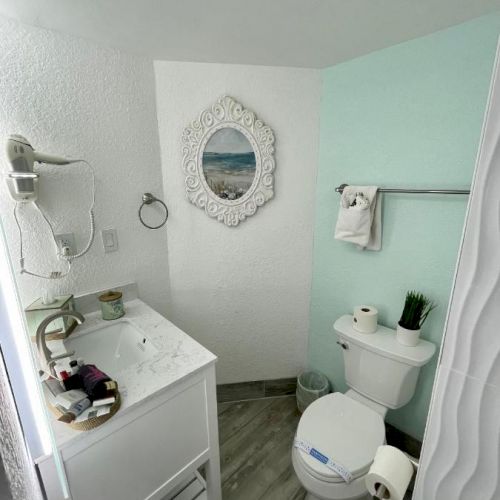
(360, 217)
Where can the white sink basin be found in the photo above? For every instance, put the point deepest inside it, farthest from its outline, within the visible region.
(112, 347)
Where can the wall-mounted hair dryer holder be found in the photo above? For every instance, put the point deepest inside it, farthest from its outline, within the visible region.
(23, 186)
(21, 179)
(22, 182)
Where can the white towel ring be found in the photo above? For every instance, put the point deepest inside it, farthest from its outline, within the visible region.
(148, 199)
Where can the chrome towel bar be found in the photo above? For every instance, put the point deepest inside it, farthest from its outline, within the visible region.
(340, 189)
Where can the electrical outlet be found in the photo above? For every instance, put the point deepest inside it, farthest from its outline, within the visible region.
(66, 240)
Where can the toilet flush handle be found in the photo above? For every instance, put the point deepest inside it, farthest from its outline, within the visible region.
(344, 345)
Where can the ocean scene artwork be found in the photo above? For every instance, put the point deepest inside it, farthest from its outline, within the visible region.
(229, 163)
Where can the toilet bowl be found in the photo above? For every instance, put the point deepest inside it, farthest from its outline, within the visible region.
(346, 431)
(348, 428)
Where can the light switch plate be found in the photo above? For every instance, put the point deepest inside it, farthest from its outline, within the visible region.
(109, 240)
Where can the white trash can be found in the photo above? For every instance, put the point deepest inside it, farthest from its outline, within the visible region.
(310, 387)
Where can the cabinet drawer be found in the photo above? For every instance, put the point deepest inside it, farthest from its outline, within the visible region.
(144, 455)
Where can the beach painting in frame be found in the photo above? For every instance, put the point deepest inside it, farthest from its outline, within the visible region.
(228, 163)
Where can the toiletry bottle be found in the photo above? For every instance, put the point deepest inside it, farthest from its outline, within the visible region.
(70, 398)
(70, 415)
(74, 366)
(104, 401)
(94, 381)
(73, 382)
(111, 388)
(53, 388)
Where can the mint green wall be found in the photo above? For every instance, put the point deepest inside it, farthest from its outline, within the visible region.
(409, 115)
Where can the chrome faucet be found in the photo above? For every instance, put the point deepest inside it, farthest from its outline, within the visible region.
(48, 361)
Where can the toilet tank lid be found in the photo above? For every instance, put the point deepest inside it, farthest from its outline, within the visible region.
(384, 342)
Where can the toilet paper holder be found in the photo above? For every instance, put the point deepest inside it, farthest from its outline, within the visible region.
(414, 461)
(382, 492)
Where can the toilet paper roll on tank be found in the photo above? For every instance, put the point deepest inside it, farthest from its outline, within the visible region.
(364, 319)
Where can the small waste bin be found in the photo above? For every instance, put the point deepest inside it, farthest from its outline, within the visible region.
(310, 386)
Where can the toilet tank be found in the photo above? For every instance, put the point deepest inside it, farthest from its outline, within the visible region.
(377, 366)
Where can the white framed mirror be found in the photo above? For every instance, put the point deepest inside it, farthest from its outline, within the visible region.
(228, 160)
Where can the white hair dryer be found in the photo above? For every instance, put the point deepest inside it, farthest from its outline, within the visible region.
(21, 179)
(23, 186)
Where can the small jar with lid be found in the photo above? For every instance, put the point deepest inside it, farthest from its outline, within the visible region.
(111, 305)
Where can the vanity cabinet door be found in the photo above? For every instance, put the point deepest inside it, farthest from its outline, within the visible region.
(146, 457)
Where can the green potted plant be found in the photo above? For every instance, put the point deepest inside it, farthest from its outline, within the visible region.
(415, 311)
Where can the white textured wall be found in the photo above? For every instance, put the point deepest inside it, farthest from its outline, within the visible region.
(244, 292)
(74, 98)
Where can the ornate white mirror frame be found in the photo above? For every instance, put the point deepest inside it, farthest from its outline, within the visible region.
(228, 113)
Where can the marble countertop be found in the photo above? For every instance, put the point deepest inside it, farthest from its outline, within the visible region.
(178, 357)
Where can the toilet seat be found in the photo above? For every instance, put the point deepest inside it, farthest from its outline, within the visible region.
(344, 430)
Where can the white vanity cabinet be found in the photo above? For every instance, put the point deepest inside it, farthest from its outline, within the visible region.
(150, 447)
(146, 453)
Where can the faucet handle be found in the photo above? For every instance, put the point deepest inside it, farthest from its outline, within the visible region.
(51, 363)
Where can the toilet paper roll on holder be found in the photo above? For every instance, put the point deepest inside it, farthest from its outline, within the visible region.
(382, 492)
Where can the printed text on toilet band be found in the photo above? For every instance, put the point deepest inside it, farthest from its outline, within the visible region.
(313, 452)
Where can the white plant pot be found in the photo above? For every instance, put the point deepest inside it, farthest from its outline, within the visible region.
(407, 337)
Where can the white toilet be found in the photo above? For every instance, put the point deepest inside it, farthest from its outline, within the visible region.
(348, 428)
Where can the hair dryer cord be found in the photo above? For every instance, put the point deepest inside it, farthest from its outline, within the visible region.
(66, 258)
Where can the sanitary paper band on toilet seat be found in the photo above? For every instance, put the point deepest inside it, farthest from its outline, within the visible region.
(313, 452)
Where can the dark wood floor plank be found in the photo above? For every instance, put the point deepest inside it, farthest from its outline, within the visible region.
(258, 456)
(237, 415)
(280, 387)
(252, 479)
(222, 407)
(241, 448)
(240, 391)
(287, 487)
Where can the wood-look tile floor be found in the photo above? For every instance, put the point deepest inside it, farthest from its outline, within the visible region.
(255, 445)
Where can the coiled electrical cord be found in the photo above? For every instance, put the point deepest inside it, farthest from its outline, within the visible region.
(70, 258)
(66, 258)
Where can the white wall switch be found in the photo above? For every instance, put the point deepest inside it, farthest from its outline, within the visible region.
(67, 241)
(109, 240)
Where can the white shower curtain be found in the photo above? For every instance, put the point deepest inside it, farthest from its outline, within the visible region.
(460, 455)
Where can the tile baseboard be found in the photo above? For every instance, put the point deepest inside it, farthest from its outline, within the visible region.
(256, 389)
(406, 443)
(403, 441)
